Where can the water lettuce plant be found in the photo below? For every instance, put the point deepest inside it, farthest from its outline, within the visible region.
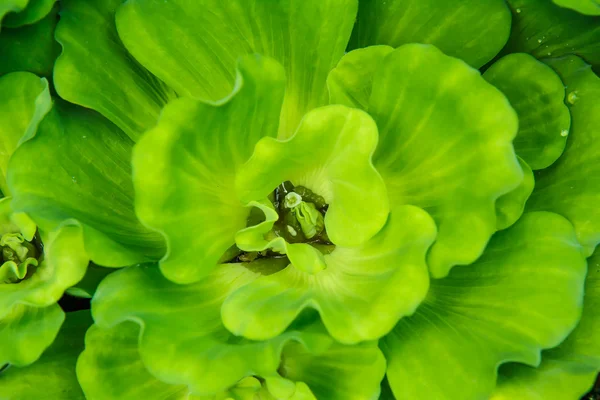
(285, 199)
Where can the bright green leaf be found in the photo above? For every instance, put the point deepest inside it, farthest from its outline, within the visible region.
(361, 294)
(24, 101)
(446, 146)
(330, 154)
(544, 29)
(53, 375)
(538, 96)
(78, 166)
(193, 46)
(588, 7)
(510, 206)
(523, 295)
(35, 11)
(339, 373)
(472, 30)
(26, 331)
(185, 168)
(183, 340)
(95, 71)
(569, 370)
(571, 186)
(30, 48)
(111, 368)
(350, 83)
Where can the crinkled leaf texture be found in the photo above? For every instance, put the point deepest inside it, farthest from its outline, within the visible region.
(185, 168)
(571, 186)
(569, 370)
(86, 179)
(183, 342)
(361, 294)
(29, 316)
(432, 110)
(524, 294)
(472, 30)
(53, 375)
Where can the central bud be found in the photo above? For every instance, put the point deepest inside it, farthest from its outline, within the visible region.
(301, 215)
(18, 257)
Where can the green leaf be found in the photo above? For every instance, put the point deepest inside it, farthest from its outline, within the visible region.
(361, 294)
(433, 110)
(26, 331)
(544, 29)
(538, 96)
(472, 30)
(87, 286)
(569, 370)
(571, 186)
(351, 82)
(78, 167)
(185, 168)
(183, 340)
(588, 7)
(30, 48)
(523, 295)
(24, 101)
(53, 375)
(63, 265)
(11, 6)
(35, 11)
(510, 206)
(96, 71)
(330, 154)
(194, 46)
(110, 368)
(338, 373)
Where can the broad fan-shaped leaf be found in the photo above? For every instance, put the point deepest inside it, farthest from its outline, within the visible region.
(472, 30)
(86, 175)
(523, 295)
(351, 83)
(193, 46)
(569, 370)
(96, 71)
(111, 367)
(538, 96)
(53, 375)
(361, 294)
(571, 186)
(446, 146)
(185, 168)
(330, 154)
(24, 101)
(544, 30)
(30, 48)
(183, 342)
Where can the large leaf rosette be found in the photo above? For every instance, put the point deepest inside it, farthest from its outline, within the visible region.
(307, 197)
